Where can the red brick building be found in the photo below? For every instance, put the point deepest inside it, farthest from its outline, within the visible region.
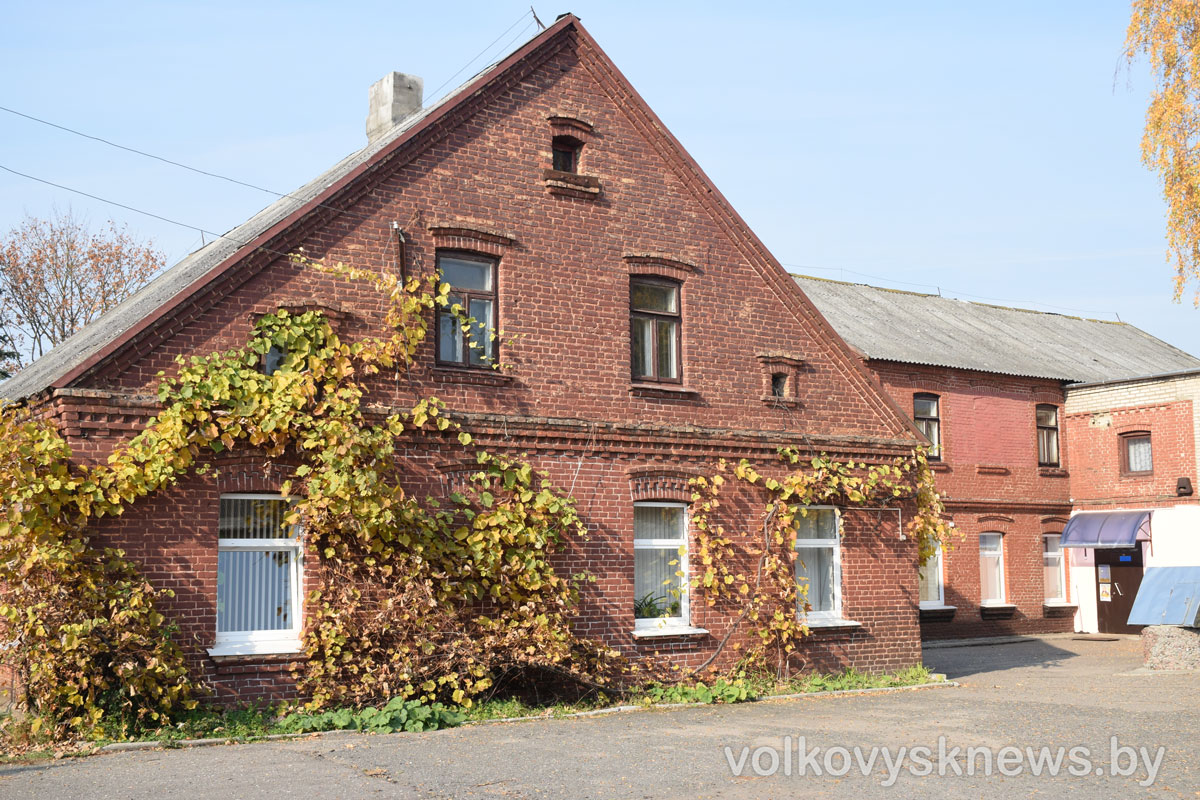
(1134, 441)
(993, 388)
(652, 334)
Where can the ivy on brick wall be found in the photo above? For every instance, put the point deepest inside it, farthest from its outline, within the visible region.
(80, 627)
(751, 573)
(415, 598)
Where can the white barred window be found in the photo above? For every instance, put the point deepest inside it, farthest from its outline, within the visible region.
(259, 598)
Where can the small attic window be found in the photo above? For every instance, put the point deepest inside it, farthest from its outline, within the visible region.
(779, 384)
(566, 151)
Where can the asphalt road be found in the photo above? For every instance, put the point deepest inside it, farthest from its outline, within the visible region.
(1060, 692)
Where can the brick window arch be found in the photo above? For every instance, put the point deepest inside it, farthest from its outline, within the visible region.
(660, 483)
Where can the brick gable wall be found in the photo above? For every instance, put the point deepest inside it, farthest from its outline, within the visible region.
(476, 180)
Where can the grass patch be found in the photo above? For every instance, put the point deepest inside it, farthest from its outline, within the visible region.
(210, 723)
(843, 681)
(249, 724)
(511, 707)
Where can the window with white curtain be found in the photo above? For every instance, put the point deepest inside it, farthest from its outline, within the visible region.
(1137, 457)
(991, 568)
(932, 589)
(659, 565)
(258, 576)
(1053, 579)
(819, 564)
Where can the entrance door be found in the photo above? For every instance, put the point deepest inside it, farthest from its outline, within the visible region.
(1118, 576)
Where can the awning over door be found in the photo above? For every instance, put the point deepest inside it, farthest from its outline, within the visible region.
(1168, 596)
(1106, 529)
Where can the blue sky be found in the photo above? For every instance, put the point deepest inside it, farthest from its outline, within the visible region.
(986, 151)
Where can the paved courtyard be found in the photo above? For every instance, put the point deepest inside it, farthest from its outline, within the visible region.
(1062, 692)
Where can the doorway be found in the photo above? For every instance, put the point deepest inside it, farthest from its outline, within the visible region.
(1118, 577)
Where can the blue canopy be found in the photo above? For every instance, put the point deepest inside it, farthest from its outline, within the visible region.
(1168, 596)
(1106, 529)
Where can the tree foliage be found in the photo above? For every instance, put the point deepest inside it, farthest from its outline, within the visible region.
(1168, 31)
(10, 359)
(56, 276)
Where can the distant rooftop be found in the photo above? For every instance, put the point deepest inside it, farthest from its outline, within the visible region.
(913, 328)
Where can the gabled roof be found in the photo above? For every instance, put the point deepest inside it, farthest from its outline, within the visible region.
(151, 311)
(100, 337)
(894, 325)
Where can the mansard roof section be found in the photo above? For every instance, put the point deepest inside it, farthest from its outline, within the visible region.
(908, 327)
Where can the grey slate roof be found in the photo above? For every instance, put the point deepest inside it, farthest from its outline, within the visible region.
(91, 339)
(894, 325)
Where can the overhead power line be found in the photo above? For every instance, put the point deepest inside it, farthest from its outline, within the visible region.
(135, 210)
(484, 51)
(217, 175)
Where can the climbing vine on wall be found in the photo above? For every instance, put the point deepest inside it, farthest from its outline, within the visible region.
(416, 598)
(751, 573)
(413, 597)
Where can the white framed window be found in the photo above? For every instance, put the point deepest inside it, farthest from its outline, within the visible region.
(927, 414)
(932, 582)
(660, 568)
(819, 564)
(1053, 576)
(991, 569)
(259, 577)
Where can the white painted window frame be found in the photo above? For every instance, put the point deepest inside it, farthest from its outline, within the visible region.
(999, 556)
(230, 643)
(937, 564)
(1062, 569)
(834, 615)
(681, 547)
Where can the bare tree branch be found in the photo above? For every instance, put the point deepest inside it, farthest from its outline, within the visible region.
(57, 276)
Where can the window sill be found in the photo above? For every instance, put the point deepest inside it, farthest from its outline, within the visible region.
(571, 184)
(1053, 472)
(674, 390)
(668, 630)
(937, 613)
(276, 648)
(1059, 607)
(997, 610)
(832, 624)
(939, 466)
(484, 376)
(789, 402)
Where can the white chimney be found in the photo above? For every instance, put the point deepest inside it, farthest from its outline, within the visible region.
(392, 98)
